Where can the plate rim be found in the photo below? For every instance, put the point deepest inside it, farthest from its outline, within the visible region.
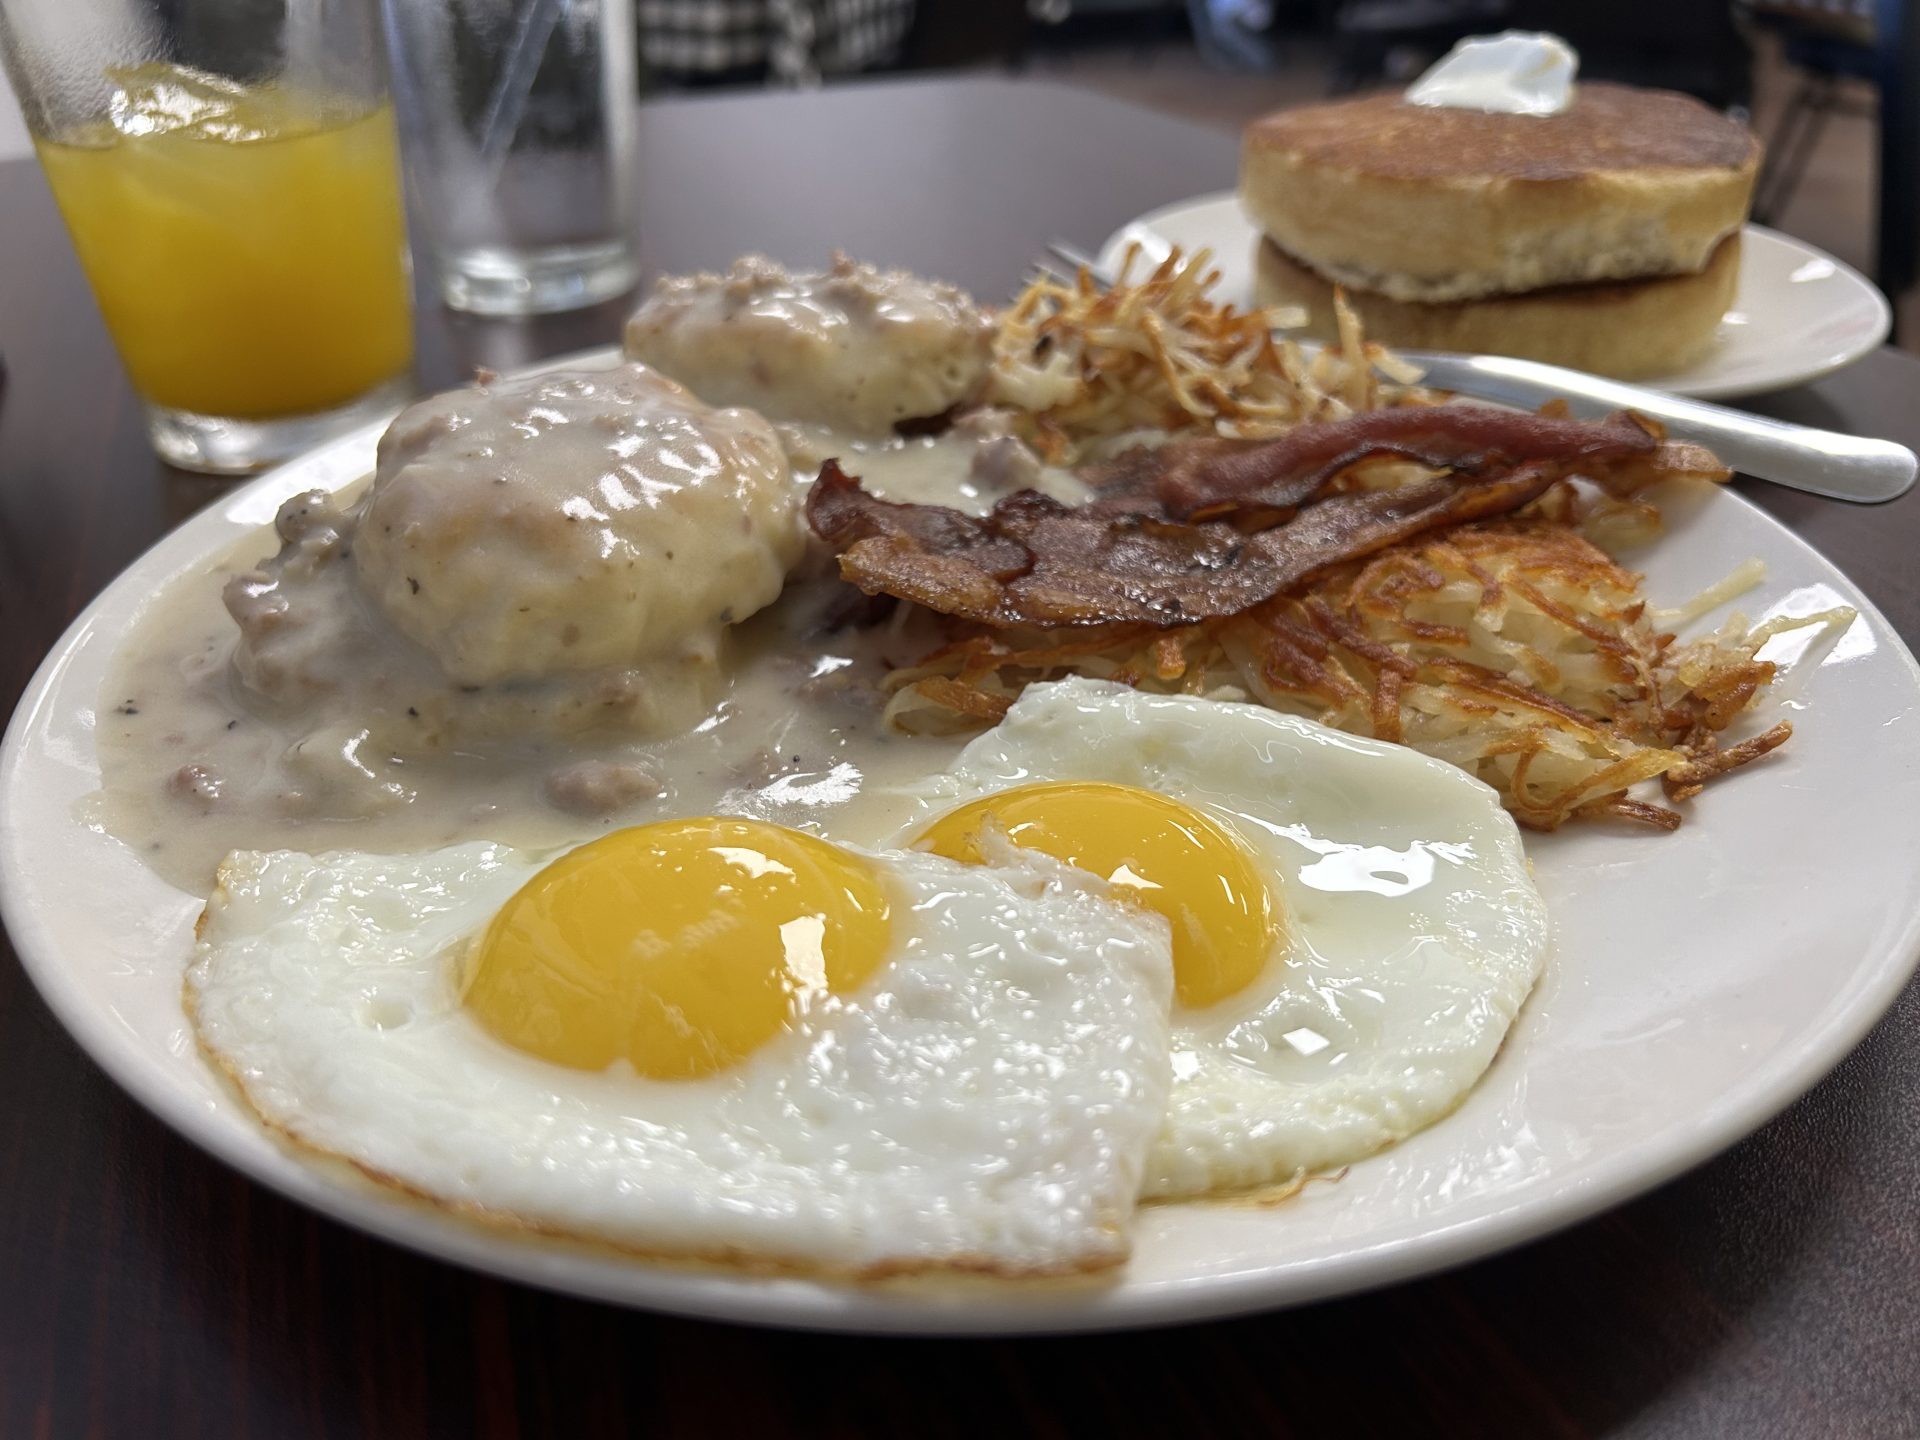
(1804, 374)
(827, 1306)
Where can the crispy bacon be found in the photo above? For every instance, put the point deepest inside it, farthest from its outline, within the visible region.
(1031, 558)
(1204, 528)
(1034, 561)
(1206, 481)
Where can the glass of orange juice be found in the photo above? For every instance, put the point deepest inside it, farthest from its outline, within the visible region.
(229, 174)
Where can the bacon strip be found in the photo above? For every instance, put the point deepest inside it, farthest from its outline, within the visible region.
(1277, 476)
(1204, 528)
(1028, 561)
(1034, 561)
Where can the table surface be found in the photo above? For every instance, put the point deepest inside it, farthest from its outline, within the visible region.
(146, 1290)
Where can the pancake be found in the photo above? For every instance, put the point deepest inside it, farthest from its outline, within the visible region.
(1428, 204)
(1632, 329)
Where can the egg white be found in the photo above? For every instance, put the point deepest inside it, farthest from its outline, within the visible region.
(1413, 932)
(985, 1101)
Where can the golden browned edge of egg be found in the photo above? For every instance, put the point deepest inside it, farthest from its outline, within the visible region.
(721, 1257)
(1268, 1195)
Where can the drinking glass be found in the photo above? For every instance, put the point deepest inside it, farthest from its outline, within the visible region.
(229, 174)
(518, 118)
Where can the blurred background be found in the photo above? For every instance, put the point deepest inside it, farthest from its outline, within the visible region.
(1829, 84)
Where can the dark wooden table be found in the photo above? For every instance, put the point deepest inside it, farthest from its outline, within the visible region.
(145, 1291)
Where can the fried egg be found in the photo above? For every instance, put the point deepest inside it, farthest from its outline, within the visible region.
(1354, 927)
(709, 1038)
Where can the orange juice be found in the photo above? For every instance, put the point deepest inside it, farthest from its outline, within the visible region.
(247, 246)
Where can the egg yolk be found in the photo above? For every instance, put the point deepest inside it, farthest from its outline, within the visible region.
(679, 947)
(1159, 853)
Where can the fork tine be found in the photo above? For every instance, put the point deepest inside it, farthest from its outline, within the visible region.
(1039, 272)
(1079, 259)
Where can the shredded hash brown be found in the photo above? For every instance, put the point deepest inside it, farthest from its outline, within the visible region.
(1518, 651)
(1514, 647)
(1081, 365)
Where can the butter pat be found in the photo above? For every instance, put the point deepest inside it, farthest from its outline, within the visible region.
(1517, 72)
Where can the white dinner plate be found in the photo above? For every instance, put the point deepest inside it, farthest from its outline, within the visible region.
(1700, 982)
(1797, 313)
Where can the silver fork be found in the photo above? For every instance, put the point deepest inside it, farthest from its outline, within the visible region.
(1821, 462)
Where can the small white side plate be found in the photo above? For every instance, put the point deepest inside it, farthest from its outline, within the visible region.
(1797, 314)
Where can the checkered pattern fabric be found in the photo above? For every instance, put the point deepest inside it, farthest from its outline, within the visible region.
(797, 41)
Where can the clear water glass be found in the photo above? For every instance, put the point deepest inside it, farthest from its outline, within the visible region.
(517, 122)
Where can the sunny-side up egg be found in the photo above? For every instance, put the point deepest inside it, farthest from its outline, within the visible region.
(709, 1038)
(1353, 924)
